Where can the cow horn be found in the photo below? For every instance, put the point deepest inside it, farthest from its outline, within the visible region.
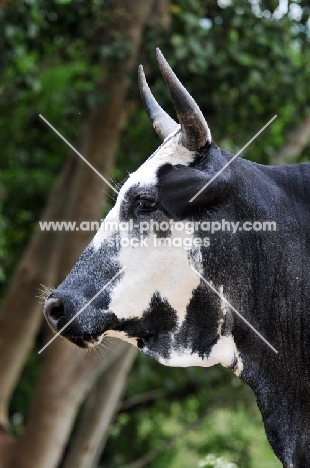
(195, 130)
(163, 124)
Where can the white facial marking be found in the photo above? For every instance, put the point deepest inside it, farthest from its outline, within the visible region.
(150, 270)
(223, 352)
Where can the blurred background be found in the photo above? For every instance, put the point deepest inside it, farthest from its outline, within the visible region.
(75, 62)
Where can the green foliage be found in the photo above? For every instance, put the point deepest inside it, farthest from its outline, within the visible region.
(229, 423)
(242, 67)
(210, 461)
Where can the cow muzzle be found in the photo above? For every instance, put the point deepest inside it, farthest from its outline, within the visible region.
(74, 325)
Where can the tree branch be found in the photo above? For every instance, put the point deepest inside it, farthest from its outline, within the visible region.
(146, 400)
(141, 400)
(296, 142)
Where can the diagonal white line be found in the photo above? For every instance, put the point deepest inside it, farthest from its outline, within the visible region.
(83, 308)
(232, 159)
(79, 154)
(235, 310)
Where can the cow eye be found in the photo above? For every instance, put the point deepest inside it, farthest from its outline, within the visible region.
(144, 205)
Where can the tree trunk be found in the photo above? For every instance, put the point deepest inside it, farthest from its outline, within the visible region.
(21, 313)
(98, 412)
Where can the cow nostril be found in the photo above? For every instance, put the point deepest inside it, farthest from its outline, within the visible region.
(53, 311)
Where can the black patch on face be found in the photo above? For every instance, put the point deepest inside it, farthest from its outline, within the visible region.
(153, 330)
(199, 331)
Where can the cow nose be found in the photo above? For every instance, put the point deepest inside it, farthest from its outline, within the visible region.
(53, 311)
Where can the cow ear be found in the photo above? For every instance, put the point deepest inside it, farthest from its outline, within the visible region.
(177, 185)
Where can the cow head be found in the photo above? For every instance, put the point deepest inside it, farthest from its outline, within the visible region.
(138, 278)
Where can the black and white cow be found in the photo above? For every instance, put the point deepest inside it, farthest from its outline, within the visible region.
(160, 304)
